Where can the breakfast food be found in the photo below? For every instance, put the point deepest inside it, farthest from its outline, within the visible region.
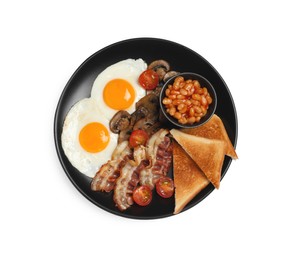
(86, 138)
(129, 178)
(107, 175)
(138, 137)
(165, 187)
(186, 100)
(159, 153)
(117, 138)
(145, 117)
(189, 180)
(146, 165)
(142, 195)
(214, 129)
(131, 168)
(208, 154)
(149, 79)
(160, 67)
(117, 88)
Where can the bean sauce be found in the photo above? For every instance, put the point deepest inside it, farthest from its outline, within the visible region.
(186, 100)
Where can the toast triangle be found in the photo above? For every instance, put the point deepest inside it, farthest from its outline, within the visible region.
(189, 180)
(208, 154)
(214, 129)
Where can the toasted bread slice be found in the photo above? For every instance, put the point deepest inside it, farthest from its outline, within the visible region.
(189, 180)
(214, 129)
(207, 153)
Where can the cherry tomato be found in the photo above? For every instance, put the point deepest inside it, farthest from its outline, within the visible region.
(138, 137)
(165, 187)
(142, 195)
(149, 79)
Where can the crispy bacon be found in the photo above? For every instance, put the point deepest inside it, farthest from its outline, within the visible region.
(126, 169)
(129, 179)
(159, 153)
(107, 175)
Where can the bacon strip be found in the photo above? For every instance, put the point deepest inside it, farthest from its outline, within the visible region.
(129, 179)
(159, 153)
(126, 169)
(107, 175)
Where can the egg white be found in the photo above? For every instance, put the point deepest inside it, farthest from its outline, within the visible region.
(128, 70)
(82, 113)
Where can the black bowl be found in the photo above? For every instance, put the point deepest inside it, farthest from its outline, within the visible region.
(204, 83)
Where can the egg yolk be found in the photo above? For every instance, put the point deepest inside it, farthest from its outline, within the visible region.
(119, 94)
(94, 137)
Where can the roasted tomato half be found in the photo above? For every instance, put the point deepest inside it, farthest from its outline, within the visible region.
(138, 137)
(149, 79)
(142, 195)
(165, 187)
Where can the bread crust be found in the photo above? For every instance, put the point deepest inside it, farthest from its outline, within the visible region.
(189, 180)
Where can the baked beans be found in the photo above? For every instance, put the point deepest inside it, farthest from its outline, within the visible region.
(186, 100)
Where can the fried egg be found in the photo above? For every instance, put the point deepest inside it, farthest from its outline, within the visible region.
(117, 87)
(86, 138)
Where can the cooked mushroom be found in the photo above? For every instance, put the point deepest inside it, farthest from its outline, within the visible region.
(161, 73)
(160, 67)
(159, 64)
(144, 117)
(150, 102)
(157, 91)
(169, 74)
(148, 124)
(137, 115)
(120, 121)
(124, 135)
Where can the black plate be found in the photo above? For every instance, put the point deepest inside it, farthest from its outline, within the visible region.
(79, 86)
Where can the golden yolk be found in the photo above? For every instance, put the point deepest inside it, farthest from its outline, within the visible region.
(119, 94)
(94, 137)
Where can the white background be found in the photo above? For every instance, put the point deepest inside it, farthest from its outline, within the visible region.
(44, 217)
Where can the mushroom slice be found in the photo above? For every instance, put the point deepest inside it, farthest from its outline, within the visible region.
(149, 125)
(161, 73)
(149, 102)
(124, 135)
(159, 64)
(169, 74)
(140, 112)
(120, 121)
(160, 67)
